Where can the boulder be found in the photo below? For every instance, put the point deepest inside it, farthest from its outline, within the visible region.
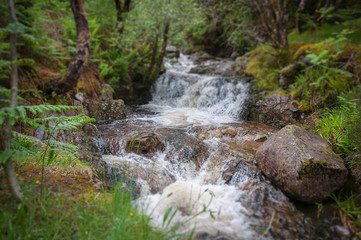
(172, 52)
(301, 164)
(277, 110)
(145, 144)
(240, 65)
(200, 57)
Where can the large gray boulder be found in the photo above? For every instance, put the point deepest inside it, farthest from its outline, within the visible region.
(301, 164)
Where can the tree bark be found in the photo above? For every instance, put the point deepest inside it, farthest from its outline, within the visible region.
(154, 55)
(300, 9)
(121, 9)
(274, 18)
(80, 60)
(164, 44)
(5, 133)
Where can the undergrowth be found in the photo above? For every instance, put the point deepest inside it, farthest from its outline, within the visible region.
(105, 215)
(340, 126)
(350, 205)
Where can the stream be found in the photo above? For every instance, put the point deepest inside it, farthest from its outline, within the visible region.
(188, 149)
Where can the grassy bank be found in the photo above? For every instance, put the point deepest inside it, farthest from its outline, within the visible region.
(73, 207)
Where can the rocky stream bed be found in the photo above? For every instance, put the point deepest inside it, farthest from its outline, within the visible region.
(189, 148)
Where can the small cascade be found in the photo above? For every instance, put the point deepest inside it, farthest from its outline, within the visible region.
(183, 98)
(204, 169)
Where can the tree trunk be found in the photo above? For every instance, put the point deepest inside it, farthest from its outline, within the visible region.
(121, 9)
(154, 55)
(5, 133)
(164, 44)
(80, 60)
(300, 9)
(274, 18)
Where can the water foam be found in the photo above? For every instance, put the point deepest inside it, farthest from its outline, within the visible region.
(221, 212)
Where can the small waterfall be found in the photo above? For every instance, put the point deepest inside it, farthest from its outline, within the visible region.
(206, 164)
(183, 98)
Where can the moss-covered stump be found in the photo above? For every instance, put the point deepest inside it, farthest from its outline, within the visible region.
(301, 164)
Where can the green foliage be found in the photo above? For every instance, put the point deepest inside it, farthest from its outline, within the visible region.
(147, 20)
(338, 125)
(349, 204)
(265, 64)
(323, 80)
(35, 117)
(324, 31)
(102, 216)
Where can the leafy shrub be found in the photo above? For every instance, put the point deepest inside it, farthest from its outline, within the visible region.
(325, 77)
(340, 127)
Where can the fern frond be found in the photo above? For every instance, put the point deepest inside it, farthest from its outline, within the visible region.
(73, 122)
(44, 108)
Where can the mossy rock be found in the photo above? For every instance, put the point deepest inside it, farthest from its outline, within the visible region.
(295, 161)
(263, 67)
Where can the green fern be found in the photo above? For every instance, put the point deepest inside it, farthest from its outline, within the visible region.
(336, 126)
(46, 151)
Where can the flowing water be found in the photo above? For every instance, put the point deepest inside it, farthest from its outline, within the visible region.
(205, 165)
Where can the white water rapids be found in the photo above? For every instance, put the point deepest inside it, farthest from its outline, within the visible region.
(204, 203)
(183, 99)
(197, 158)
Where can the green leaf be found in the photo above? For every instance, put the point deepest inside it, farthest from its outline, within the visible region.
(166, 214)
(5, 155)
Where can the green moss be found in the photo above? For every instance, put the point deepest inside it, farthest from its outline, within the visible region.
(327, 152)
(263, 66)
(310, 168)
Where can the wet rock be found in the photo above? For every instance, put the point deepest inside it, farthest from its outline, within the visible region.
(172, 52)
(240, 65)
(250, 146)
(249, 137)
(185, 148)
(228, 130)
(215, 67)
(144, 144)
(301, 164)
(288, 75)
(203, 136)
(217, 133)
(272, 208)
(240, 162)
(260, 138)
(276, 110)
(200, 57)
